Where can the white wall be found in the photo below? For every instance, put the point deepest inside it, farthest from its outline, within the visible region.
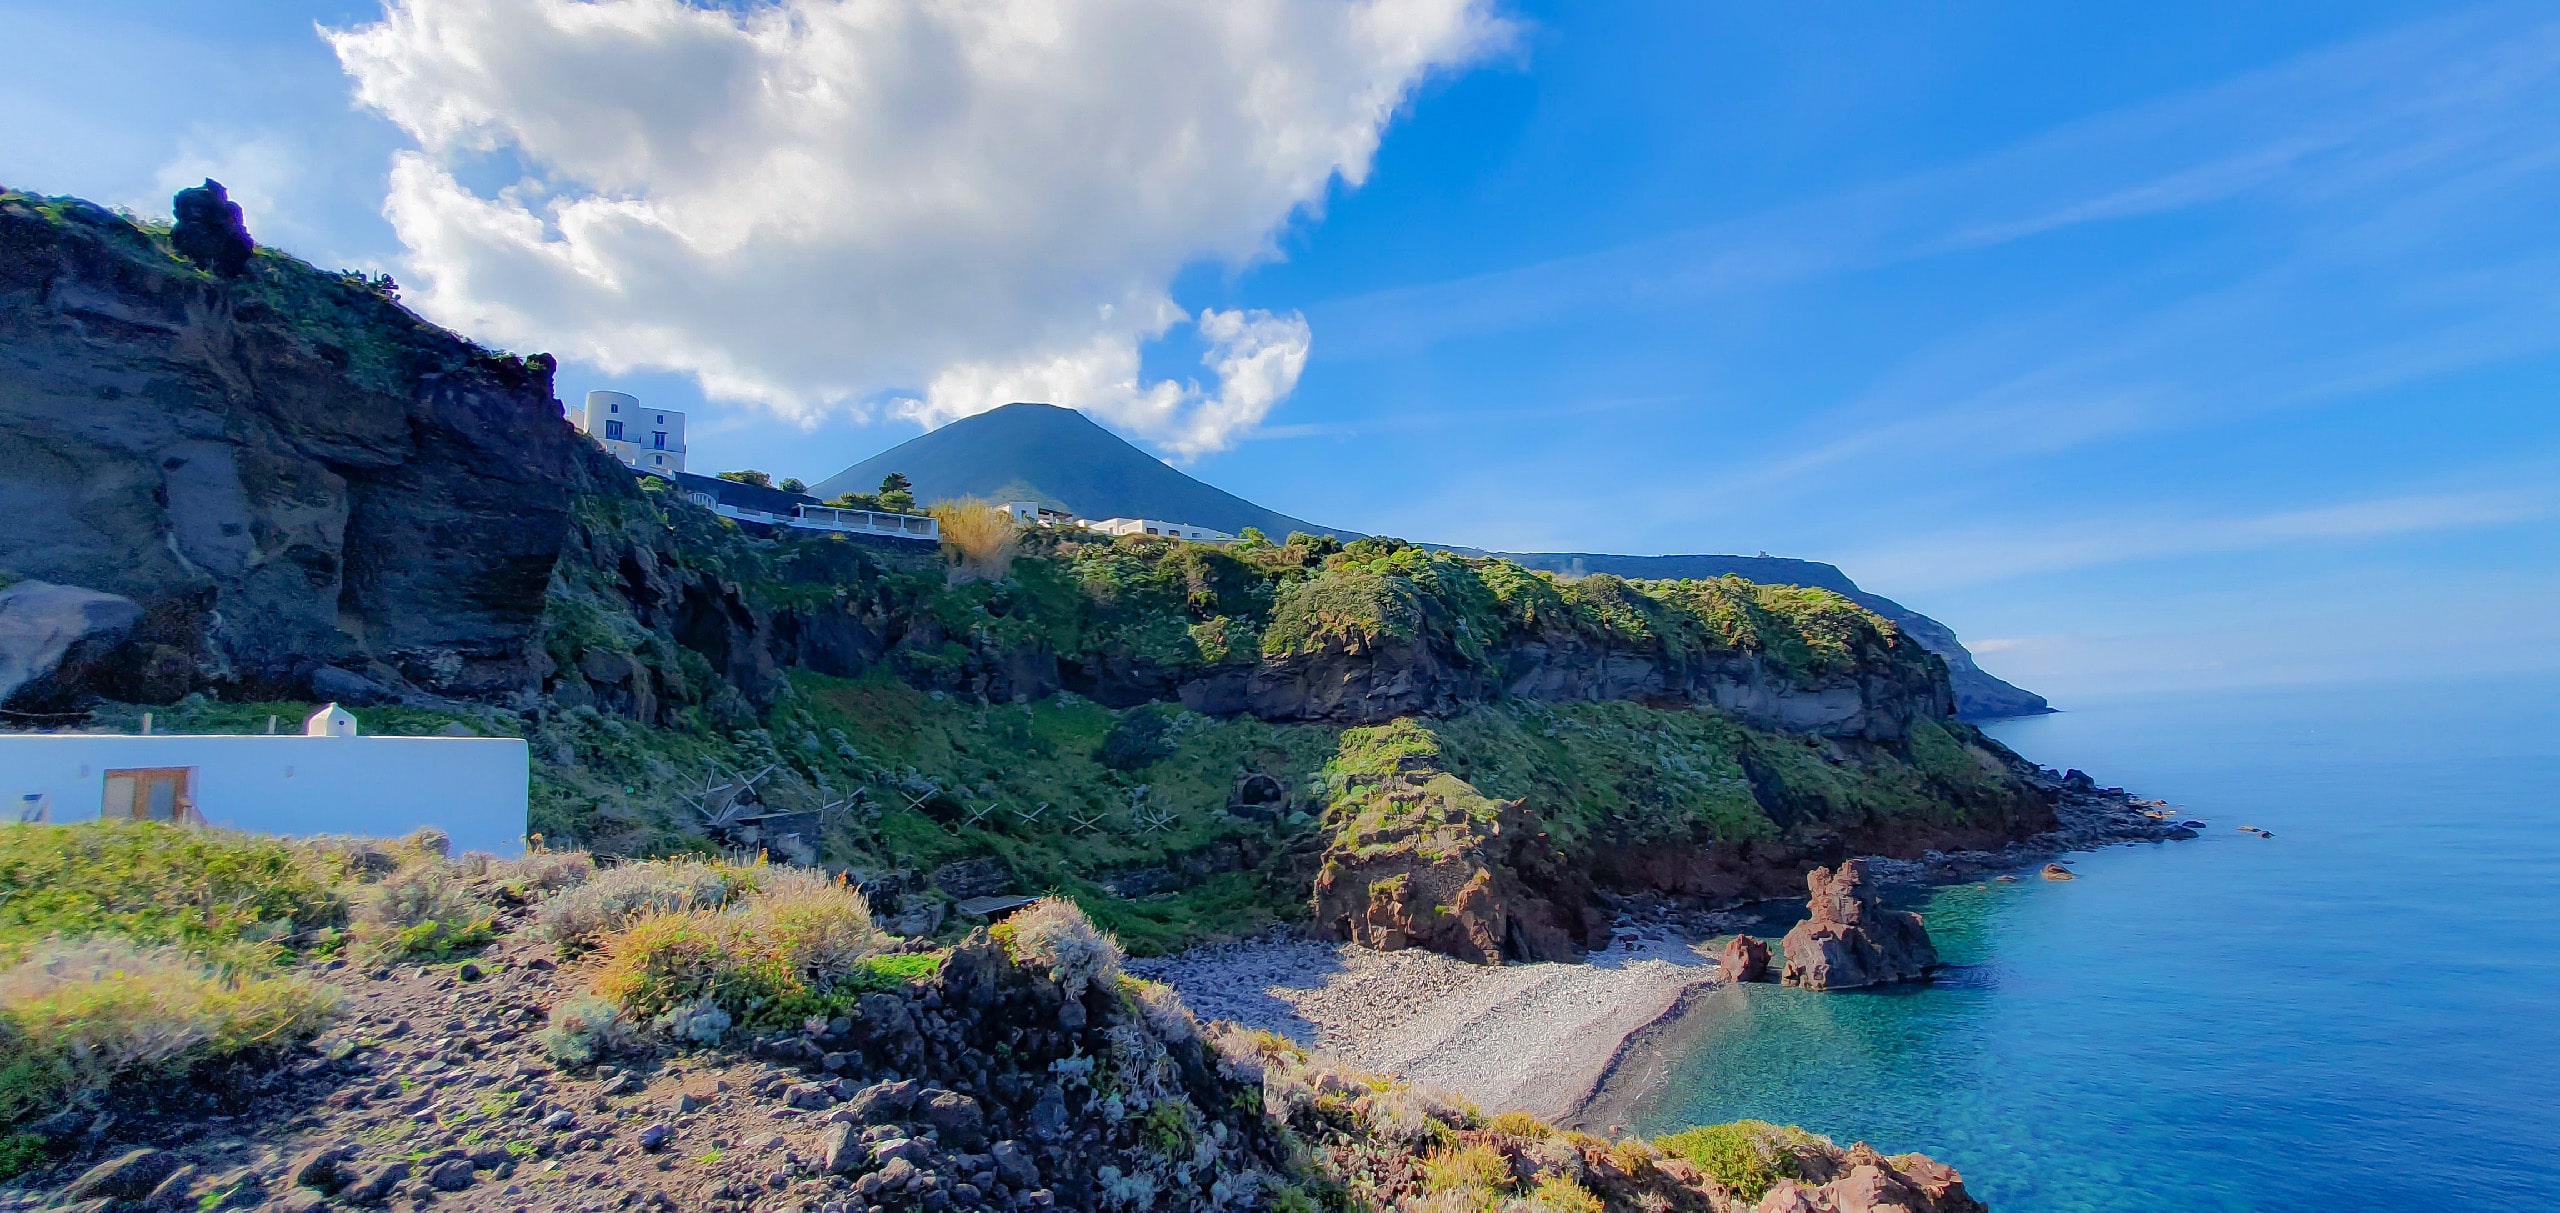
(472, 788)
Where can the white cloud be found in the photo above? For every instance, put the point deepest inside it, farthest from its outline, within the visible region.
(820, 203)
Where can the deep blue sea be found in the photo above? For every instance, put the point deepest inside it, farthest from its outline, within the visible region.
(2361, 1013)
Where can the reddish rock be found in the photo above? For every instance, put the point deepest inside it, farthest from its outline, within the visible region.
(1851, 939)
(1746, 959)
(1863, 1181)
(2055, 871)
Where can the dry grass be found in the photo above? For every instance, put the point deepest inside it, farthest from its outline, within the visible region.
(614, 897)
(801, 944)
(78, 1018)
(426, 908)
(980, 536)
(1054, 936)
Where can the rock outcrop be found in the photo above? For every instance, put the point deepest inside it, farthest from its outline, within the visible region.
(282, 468)
(1420, 858)
(1852, 939)
(44, 627)
(1745, 959)
(1861, 1180)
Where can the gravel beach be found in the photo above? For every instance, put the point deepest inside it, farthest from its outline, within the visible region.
(1532, 1037)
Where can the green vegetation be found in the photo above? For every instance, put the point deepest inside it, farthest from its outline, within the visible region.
(1746, 1156)
(212, 893)
(139, 953)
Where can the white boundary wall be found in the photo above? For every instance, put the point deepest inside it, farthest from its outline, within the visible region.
(472, 788)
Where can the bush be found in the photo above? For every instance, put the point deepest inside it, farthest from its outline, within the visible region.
(981, 537)
(1560, 1194)
(542, 873)
(1467, 1171)
(802, 945)
(1055, 937)
(583, 1029)
(422, 910)
(616, 896)
(79, 1018)
(1746, 1156)
(1519, 1124)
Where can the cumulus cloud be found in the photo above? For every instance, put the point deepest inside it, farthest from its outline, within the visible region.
(940, 205)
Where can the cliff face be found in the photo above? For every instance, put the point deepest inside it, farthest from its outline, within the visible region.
(1978, 694)
(285, 471)
(280, 484)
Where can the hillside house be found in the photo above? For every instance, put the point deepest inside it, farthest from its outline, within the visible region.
(327, 779)
(1157, 526)
(647, 439)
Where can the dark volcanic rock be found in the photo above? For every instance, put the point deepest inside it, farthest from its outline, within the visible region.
(284, 470)
(209, 230)
(1852, 940)
(44, 627)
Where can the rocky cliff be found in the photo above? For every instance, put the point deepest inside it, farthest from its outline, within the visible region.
(245, 479)
(290, 476)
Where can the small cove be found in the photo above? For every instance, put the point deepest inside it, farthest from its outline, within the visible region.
(2352, 1014)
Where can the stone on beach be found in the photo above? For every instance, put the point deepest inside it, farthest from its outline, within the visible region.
(2055, 871)
(1851, 939)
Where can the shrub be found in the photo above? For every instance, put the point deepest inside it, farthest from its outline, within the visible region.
(1467, 1171)
(1519, 1124)
(1746, 1156)
(78, 1018)
(542, 873)
(1163, 1009)
(981, 538)
(802, 945)
(816, 924)
(1560, 1194)
(422, 910)
(1054, 936)
(583, 1029)
(615, 896)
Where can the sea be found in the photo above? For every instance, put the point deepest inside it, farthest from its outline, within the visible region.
(2361, 1012)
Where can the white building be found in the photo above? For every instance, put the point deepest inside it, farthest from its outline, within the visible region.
(325, 780)
(649, 439)
(1157, 526)
(1036, 514)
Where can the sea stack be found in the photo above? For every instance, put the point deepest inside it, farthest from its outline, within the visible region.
(1851, 939)
(1746, 959)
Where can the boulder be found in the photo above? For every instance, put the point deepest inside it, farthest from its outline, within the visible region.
(1746, 959)
(124, 1177)
(41, 624)
(1851, 939)
(209, 229)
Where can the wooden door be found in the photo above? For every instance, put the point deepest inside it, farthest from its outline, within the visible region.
(150, 794)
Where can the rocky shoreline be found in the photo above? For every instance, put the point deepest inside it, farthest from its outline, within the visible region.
(1568, 1041)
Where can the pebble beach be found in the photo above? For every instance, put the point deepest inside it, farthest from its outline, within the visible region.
(1537, 1038)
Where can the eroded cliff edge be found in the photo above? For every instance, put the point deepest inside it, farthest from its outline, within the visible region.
(310, 493)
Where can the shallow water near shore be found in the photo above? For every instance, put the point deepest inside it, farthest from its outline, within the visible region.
(2357, 1013)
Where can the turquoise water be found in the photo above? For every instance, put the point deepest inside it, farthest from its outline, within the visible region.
(2362, 1013)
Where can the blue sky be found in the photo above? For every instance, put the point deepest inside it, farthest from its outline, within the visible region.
(2150, 346)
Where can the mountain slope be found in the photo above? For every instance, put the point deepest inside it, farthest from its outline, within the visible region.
(1979, 695)
(1058, 457)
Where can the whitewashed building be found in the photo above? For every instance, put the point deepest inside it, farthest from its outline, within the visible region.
(650, 439)
(1157, 526)
(325, 780)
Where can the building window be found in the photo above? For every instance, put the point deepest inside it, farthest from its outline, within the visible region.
(613, 406)
(659, 439)
(662, 460)
(662, 418)
(613, 429)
